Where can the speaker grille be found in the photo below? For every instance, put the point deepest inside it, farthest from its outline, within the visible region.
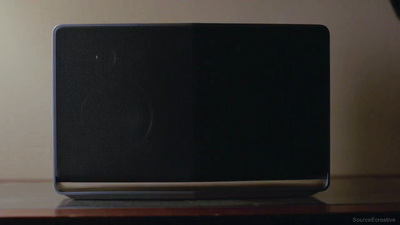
(202, 102)
(110, 112)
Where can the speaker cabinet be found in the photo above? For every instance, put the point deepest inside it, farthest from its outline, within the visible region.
(191, 110)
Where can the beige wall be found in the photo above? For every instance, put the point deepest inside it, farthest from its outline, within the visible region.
(365, 70)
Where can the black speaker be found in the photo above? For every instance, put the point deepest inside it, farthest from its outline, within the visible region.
(191, 110)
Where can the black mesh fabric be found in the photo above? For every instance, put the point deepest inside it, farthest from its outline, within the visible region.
(191, 102)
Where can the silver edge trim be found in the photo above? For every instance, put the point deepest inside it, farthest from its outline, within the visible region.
(185, 186)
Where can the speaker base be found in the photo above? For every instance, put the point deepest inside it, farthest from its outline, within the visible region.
(192, 190)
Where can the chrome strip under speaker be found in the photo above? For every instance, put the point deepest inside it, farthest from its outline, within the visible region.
(186, 186)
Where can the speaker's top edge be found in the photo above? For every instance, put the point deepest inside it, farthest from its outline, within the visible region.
(62, 26)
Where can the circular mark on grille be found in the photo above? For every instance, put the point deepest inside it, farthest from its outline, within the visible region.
(116, 115)
(104, 58)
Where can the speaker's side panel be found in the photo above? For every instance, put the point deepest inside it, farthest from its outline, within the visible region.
(123, 103)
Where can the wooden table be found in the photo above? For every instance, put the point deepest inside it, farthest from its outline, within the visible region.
(348, 200)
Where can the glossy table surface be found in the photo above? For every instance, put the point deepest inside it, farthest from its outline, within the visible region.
(37, 199)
